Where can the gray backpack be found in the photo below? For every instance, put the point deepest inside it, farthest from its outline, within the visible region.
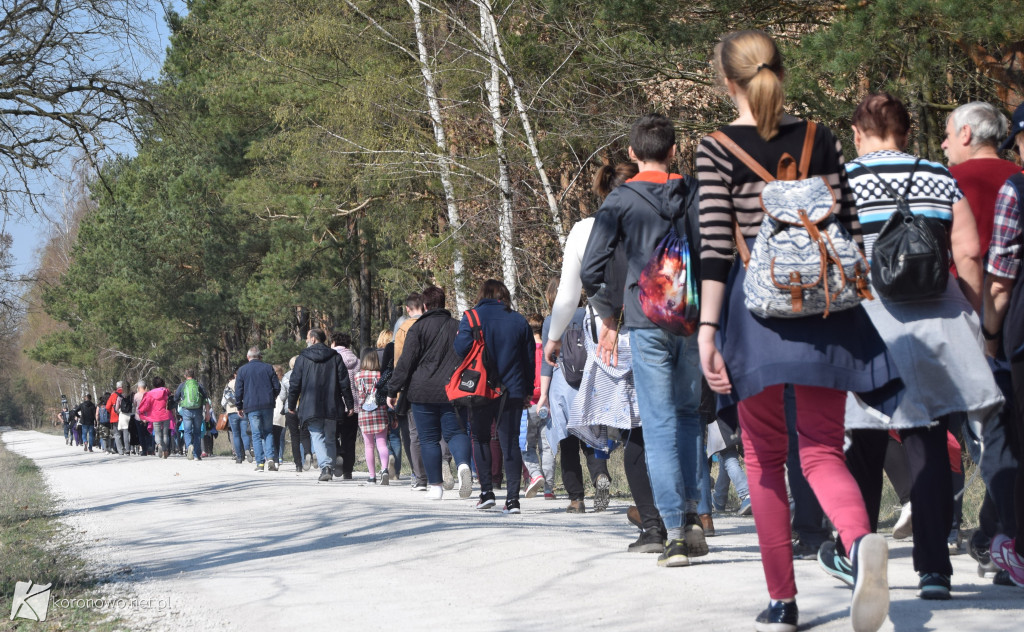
(803, 263)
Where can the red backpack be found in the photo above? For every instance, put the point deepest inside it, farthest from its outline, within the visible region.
(475, 381)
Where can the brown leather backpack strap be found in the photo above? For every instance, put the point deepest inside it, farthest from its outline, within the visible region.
(741, 243)
(730, 146)
(805, 153)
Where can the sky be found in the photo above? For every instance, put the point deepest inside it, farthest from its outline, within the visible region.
(29, 233)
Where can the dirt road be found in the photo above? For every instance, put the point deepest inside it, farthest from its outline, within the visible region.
(230, 549)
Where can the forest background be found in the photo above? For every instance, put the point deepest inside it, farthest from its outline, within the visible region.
(308, 163)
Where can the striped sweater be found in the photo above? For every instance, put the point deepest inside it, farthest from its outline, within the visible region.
(730, 191)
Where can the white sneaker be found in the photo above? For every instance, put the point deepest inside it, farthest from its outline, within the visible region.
(435, 492)
(870, 606)
(446, 475)
(465, 481)
(904, 526)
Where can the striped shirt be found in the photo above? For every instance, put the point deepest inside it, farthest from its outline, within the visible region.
(932, 193)
(730, 191)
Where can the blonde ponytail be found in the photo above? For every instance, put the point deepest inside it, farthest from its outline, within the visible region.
(752, 61)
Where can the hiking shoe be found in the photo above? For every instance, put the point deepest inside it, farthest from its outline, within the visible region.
(602, 492)
(435, 492)
(325, 474)
(271, 465)
(260, 467)
(708, 525)
(1006, 557)
(779, 616)
(870, 605)
(385, 478)
(904, 527)
(447, 480)
(674, 554)
(978, 548)
(835, 564)
(536, 484)
(576, 507)
(693, 535)
(633, 515)
(465, 481)
(1002, 578)
(933, 586)
(511, 507)
(746, 509)
(190, 454)
(648, 542)
(307, 461)
(486, 500)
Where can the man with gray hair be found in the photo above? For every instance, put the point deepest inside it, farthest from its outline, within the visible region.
(974, 132)
(256, 389)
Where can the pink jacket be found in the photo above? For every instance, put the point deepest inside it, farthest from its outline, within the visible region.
(154, 405)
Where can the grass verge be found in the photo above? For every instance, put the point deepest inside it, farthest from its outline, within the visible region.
(33, 547)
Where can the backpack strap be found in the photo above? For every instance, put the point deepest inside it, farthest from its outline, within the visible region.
(808, 149)
(730, 146)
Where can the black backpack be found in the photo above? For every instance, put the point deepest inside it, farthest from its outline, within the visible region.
(126, 405)
(573, 356)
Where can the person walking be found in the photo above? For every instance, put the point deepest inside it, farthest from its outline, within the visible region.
(747, 360)
(85, 413)
(373, 419)
(298, 435)
(256, 388)
(319, 393)
(193, 401)
(238, 424)
(348, 425)
(154, 411)
(414, 308)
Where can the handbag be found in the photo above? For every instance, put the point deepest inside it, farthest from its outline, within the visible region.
(909, 260)
(222, 422)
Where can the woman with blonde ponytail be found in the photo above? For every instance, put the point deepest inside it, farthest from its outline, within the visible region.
(748, 360)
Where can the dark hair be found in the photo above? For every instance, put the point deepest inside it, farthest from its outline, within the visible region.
(652, 137)
(340, 339)
(318, 334)
(369, 360)
(752, 61)
(414, 301)
(536, 323)
(105, 396)
(190, 373)
(495, 289)
(88, 397)
(433, 297)
(610, 177)
(883, 116)
(158, 382)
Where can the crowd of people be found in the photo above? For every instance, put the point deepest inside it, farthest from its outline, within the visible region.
(817, 405)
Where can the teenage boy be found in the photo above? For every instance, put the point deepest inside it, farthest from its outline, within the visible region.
(637, 216)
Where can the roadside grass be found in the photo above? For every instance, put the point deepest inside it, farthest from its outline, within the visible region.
(32, 547)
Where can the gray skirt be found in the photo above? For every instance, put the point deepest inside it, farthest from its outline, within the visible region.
(938, 350)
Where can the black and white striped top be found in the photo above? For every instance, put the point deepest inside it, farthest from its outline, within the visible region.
(730, 190)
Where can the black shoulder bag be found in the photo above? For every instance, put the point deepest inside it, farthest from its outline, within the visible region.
(909, 260)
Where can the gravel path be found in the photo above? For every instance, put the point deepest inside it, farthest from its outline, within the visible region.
(231, 549)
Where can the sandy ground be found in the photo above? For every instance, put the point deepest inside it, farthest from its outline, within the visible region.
(230, 549)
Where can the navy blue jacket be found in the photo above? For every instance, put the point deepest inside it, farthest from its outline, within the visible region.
(256, 386)
(509, 340)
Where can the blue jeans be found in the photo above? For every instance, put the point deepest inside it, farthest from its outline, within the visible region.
(729, 469)
(322, 438)
(162, 435)
(434, 422)
(239, 434)
(192, 429)
(89, 435)
(666, 371)
(703, 476)
(395, 446)
(262, 422)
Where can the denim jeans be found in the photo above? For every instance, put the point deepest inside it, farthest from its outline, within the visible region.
(434, 422)
(322, 438)
(262, 422)
(239, 434)
(192, 429)
(729, 469)
(395, 445)
(666, 371)
(89, 435)
(67, 433)
(703, 476)
(537, 442)
(162, 435)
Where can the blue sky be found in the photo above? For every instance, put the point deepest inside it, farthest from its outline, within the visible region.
(29, 233)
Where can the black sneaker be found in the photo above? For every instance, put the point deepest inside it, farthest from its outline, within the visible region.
(1002, 578)
(779, 616)
(511, 507)
(325, 474)
(804, 551)
(693, 535)
(486, 500)
(648, 542)
(674, 554)
(835, 564)
(934, 586)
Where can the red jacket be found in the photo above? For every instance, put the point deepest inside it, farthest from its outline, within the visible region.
(111, 405)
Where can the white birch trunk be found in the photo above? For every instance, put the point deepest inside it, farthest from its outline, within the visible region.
(505, 232)
(538, 163)
(444, 156)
